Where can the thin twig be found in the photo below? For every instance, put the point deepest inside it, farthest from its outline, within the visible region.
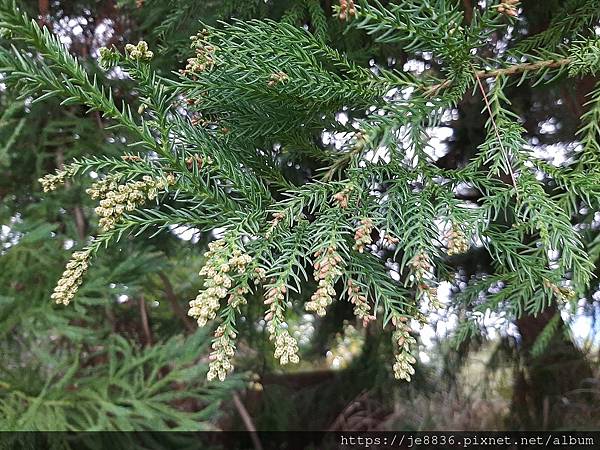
(507, 71)
(497, 133)
(248, 423)
(468, 4)
(175, 306)
(44, 7)
(145, 322)
(343, 161)
(525, 67)
(80, 222)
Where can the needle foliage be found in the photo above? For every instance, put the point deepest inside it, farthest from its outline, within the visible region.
(222, 143)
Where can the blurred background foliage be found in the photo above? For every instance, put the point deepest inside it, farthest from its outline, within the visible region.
(126, 357)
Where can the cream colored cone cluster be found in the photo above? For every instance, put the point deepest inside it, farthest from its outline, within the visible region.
(71, 278)
(362, 236)
(327, 270)
(457, 241)
(286, 346)
(51, 181)
(404, 361)
(223, 347)
(221, 263)
(362, 309)
(116, 199)
(204, 58)
(139, 52)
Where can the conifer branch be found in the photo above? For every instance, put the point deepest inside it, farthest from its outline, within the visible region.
(516, 69)
(383, 217)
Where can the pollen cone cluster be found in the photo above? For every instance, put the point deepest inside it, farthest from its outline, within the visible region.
(421, 265)
(51, 181)
(204, 58)
(403, 364)
(286, 346)
(116, 199)
(139, 52)
(221, 263)
(347, 9)
(509, 8)
(223, 347)
(327, 270)
(457, 241)
(362, 309)
(362, 236)
(71, 278)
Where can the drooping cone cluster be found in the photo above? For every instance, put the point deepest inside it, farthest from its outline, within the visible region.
(224, 261)
(223, 351)
(274, 297)
(116, 199)
(327, 270)
(403, 341)
(457, 241)
(362, 235)
(220, 264)
(286, 346)
(421, 266)
(362, 309)
(71, 278)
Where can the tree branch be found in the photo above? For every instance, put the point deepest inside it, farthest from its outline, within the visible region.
(44, 7)
(248, 423)
(468, 4)
(497, 133)
(175, 306)
(507, 71)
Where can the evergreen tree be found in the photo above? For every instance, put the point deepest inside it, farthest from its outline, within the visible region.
(321, 175)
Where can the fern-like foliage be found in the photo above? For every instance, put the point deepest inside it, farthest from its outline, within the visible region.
(143, 390)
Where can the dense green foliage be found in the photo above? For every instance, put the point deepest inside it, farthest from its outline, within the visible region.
(317, 174)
